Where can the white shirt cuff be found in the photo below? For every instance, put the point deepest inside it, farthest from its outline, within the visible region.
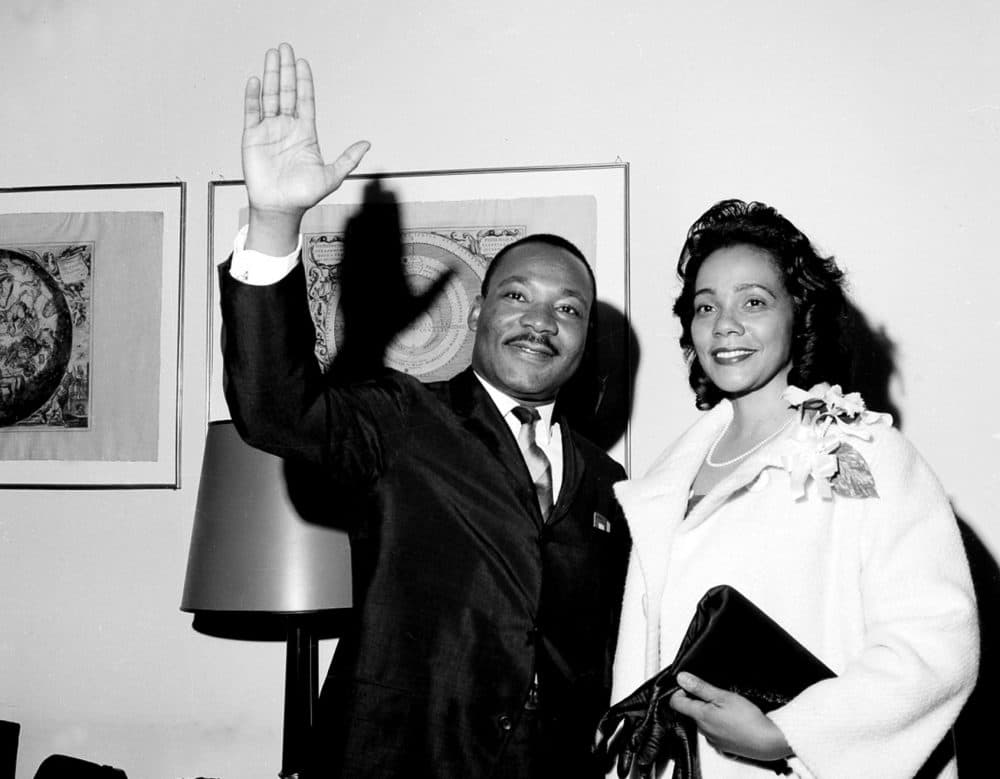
(257, 268)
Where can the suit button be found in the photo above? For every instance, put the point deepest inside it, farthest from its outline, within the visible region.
(505, 722)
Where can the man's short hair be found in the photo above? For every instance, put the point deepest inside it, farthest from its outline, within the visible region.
(546, 239)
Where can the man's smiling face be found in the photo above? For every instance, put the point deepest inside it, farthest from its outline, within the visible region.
(531, 326)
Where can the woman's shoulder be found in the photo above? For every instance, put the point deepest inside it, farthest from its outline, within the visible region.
(866, 445)
(836, 443)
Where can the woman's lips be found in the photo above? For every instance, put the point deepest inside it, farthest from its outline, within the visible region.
(731, 356)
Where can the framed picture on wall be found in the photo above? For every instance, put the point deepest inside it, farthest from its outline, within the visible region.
(393, 237)
(91, 281)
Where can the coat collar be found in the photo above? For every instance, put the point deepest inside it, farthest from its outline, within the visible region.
(480, 416)
(655, 504)
(668, 482)
(664, 489)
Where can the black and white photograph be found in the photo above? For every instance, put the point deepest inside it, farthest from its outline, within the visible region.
(515, 390)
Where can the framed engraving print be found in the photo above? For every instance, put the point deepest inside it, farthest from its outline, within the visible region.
(443, 228)
(90, 330)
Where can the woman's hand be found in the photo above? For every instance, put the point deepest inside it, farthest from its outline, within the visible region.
(730, 722)
(282, 164)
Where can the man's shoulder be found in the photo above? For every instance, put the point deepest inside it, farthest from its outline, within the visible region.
(595, 456)
(461, 391)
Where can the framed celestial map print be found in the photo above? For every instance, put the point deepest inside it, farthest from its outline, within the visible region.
(90, 313)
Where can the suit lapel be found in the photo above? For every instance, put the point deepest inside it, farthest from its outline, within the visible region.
(480, 416)
(573, 471)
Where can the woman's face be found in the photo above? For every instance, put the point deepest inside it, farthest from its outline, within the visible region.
(743, 319)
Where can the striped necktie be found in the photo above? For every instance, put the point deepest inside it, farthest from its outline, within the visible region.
(538, 464)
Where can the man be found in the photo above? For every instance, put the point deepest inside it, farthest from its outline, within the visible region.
(488, 581)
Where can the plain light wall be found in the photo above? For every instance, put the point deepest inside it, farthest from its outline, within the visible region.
(875, 126)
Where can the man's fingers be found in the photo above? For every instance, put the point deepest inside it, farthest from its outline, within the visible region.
(269, 91)
(338, 170)
(304, 84)
(286, 80)
(251, 103)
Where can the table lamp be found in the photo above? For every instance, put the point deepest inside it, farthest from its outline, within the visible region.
(259, 569)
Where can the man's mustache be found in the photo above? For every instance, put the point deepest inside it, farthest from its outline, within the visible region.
(533, 340)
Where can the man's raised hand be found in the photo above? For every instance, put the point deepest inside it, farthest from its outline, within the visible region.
(282, 163)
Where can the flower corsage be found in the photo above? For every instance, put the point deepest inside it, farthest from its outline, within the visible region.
(820, 449)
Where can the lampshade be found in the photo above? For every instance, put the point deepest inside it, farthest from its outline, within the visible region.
(251, 549)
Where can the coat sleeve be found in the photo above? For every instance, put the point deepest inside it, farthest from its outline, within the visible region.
(896, 700)
(279, 399)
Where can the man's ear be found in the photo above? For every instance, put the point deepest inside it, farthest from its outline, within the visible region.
(473, 318)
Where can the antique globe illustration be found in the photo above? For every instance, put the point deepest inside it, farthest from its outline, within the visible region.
(438, 343)
(36, 335)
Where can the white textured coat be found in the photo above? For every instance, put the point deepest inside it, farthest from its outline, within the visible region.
(878, 588)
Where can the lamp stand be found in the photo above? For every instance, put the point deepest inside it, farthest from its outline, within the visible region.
(301, 691)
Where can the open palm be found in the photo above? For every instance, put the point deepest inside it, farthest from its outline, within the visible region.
(282, 163)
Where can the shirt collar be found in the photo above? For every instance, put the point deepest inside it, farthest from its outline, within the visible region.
(505, 403)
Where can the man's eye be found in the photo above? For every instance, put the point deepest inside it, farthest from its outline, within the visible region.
(512, 295)
(571, 310)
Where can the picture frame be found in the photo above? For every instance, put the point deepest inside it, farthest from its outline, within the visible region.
(91, 310)
(454, 221)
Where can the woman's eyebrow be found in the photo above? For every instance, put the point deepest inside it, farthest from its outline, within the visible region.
(755, 285)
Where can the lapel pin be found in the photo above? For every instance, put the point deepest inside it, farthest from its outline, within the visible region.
(601, 523)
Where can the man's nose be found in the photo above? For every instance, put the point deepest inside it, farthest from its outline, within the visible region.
(540, 318)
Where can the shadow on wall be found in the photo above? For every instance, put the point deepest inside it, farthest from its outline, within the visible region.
(873, 364)
(976, 729)
(598, 399)
(376, 303)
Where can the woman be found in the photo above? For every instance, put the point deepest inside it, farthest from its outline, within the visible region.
(813, 507)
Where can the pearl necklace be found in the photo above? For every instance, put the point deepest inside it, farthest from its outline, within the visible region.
(748, 452)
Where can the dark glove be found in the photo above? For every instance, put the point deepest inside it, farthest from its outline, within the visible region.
(649, 728)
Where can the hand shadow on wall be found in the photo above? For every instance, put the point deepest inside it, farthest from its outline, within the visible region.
(375, 304)
(873, 365)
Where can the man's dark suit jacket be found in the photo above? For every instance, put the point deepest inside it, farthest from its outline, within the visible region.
(462, 593)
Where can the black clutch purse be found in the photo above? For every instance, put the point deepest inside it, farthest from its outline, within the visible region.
(729, 643)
